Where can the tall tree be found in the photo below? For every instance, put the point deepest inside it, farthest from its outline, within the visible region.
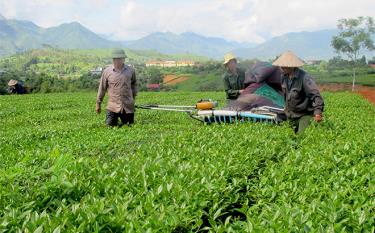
(354, 36)
(155, 76)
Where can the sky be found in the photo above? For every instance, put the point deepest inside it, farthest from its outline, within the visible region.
(237, 20)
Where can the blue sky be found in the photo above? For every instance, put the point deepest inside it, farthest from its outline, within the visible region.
(239, 20)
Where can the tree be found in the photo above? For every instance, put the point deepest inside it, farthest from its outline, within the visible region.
(323, 65)
(354, 35)
(155, 76)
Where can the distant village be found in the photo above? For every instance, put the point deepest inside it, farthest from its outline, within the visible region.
(187, 63)
(165, 64)
(170, 63)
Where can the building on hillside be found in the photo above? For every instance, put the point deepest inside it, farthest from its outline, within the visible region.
(96, 71)
(313, 62)
(372, 66)
(152, 63)
(170, 63)
(185, 63)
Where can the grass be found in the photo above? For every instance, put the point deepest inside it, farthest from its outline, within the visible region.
(201, 82)
(214, 81)
(62, 170)
(362, 79)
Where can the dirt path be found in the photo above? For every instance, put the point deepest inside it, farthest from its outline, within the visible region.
(172, 79)
(368, 94)
(365, 91)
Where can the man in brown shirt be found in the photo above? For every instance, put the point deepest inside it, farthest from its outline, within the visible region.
(120, 81)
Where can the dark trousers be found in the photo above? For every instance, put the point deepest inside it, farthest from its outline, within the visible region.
(112, 118)
(300, 124)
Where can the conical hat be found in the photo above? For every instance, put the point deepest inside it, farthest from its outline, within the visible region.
(288, 59)
(12, 82)
(228, 57)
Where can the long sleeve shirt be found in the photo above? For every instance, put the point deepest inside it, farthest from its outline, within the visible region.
(121, 87)
(233, 83)
(301, 94)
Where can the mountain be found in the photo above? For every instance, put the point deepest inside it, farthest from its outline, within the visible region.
(20, 35)
(76, 36)
(307, 45)
(188, 42)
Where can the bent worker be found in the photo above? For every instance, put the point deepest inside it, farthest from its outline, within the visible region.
(233, 78)
(303, 101)
(120, 81)
(15, 87)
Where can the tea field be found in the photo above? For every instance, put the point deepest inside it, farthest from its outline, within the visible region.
(62, 170)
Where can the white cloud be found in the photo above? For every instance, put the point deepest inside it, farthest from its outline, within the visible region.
(280, 17)
(231, 20)
(45, 13)
(241, 20)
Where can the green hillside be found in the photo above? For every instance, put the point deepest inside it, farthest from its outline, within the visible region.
(70, 70)
(18, 36)
(201, 82)
(52, 60)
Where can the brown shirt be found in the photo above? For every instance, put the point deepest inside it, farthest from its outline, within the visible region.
(121, 86)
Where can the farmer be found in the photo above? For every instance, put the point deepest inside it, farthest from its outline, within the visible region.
(15, 87)
(120, 81)
(233, 78)
(303, 101)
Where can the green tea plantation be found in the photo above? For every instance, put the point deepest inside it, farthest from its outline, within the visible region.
(63, 170)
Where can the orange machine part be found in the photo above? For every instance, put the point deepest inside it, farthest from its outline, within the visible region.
(205, 106)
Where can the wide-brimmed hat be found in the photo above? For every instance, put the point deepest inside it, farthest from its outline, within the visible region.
(118, 53)
(228, 57)
(288, 59)
(12, 82)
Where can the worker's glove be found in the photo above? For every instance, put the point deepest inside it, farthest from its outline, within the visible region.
(318, 118)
